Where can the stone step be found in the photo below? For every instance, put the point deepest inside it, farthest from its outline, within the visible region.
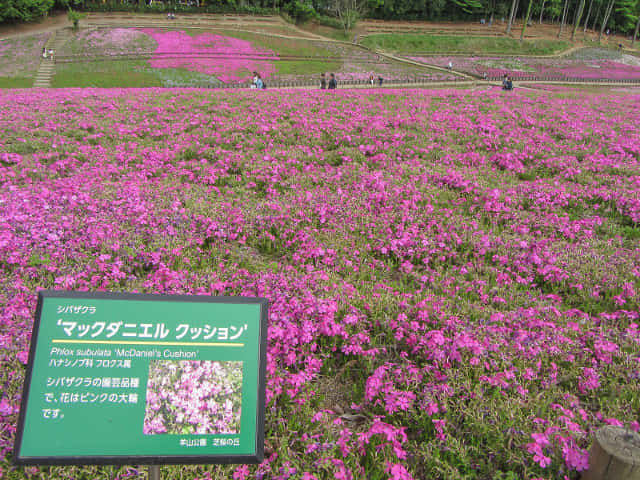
(47, 68)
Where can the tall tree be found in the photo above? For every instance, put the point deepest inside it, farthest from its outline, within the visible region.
(595, 17)
(553, 10)
(526, 20)
(586, 20)
(576, 20)
(348, 12)
(564, 17)
(635, 32)
(542, 11)
(512, 15)
(605, 20)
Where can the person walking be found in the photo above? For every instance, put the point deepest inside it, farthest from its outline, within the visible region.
(507, 84)
(323, 81)
(333, 84)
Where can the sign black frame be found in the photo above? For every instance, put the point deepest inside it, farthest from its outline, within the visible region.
(148, 459)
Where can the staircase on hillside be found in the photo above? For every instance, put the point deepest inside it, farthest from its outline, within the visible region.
(47, 67)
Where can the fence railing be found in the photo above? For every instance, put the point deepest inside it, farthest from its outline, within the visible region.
(543, 78)
(89, 57)
(313, 84)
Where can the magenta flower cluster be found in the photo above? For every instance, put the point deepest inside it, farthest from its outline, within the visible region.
(453, 276)
(193, 397)
(227, 58)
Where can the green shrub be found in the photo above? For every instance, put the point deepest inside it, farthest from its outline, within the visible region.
(162, 7)
(74, 17)
(301, 11)
(24, 10)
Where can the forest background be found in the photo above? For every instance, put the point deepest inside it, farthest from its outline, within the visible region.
(620, 17)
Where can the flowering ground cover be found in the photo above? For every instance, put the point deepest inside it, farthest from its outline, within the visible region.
(19, 59)
(198, 58)
(226, 58)
(600, 64)
(109, 42)
(453, 276)
(193, 397)
(168, 58)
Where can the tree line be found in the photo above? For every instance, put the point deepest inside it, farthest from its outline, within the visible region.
(614, 16)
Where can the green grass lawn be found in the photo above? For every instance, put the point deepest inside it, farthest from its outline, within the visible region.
(127, 74)
(16, 82)
(106, 74)
(284, 47)
(443, 44)
(281, 46)
(306, 67)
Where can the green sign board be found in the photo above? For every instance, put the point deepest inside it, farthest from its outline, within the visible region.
(131, 378)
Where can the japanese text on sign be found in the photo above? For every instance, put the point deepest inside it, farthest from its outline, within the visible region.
(183, 331)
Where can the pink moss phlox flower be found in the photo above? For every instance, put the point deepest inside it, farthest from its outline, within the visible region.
(397, 471)
(227, 58)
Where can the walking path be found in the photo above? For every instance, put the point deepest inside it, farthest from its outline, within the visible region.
(48, 65)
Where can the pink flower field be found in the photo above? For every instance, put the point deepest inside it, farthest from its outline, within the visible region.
(229, 59)
(453, 276)
(539, 67)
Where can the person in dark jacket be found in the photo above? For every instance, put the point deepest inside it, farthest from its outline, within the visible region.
(507, 84)
(333, 84)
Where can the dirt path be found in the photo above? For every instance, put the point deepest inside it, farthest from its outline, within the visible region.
(48, 24)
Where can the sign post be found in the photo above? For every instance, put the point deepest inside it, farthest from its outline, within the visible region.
(154, 472)
(144, 379)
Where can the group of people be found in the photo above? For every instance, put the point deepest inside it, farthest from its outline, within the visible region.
(257, 82)
(331, 85)
(372, 81)
(507, 84)
(48, 53)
